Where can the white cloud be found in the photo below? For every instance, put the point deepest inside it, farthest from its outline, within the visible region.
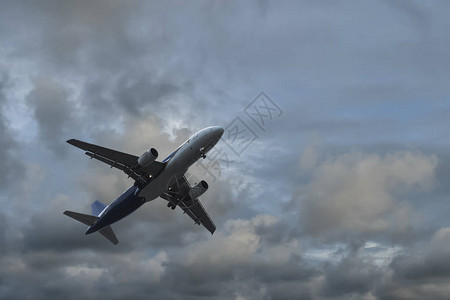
(88, 273)
(236, 245)
(359, 193)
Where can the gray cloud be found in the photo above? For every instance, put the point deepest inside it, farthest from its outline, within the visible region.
(368, 81)
(351, 276)
(421, 273)
(433, 262)
(52, 110)
(10, 164)
(358, 194)
(135, 95)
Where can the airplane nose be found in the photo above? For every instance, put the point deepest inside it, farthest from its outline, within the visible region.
(219, 131)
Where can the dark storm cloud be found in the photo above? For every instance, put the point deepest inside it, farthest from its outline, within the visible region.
(433, 262)
(239, 263)
(357, 78)
(71, 32)
(158, 270)
(52, 110)
(422, 273)
(95, 44)
(10, 165)
(352, 275)
(136, 94)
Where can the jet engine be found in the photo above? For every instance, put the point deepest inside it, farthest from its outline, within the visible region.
(148, 157)
(198, 189)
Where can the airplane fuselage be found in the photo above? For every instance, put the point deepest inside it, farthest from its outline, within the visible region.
(177, 163)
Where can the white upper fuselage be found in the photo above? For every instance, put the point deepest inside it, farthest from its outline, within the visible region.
(180, 160)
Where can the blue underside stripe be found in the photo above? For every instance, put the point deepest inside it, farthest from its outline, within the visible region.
(170, 156)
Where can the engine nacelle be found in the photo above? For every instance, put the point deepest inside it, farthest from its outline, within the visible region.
(148, 157)
(198, 189)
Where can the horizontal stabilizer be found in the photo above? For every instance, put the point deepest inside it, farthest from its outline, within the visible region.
(108, 233)
(85, 219)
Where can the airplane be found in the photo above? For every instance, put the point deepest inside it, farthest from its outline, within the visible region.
(153, 179)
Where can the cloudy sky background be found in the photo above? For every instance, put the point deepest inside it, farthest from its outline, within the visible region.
(343, 196)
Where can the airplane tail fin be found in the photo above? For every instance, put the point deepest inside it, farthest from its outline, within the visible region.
(85, 219)
(97, 207)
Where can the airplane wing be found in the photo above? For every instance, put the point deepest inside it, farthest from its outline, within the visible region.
(178, 194)
(122, 161)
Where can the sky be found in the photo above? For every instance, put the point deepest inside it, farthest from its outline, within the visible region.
(331, 180)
